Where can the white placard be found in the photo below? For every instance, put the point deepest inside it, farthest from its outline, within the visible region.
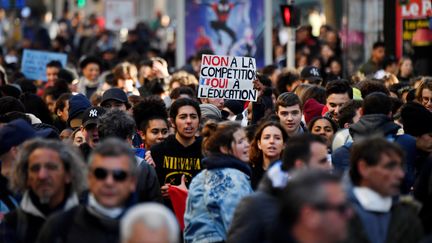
(227, 77)
(120, 14)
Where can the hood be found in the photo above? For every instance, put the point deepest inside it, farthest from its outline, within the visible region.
(28, 206)
(373, 124)
(220, 161)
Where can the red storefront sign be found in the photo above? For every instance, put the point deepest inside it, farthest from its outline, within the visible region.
(414, 15)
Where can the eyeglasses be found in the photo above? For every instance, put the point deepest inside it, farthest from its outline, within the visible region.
(341, 208)
(426, 100)
(117, 175)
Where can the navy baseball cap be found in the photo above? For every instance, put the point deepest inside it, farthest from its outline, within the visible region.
(77, 105)
(17, 132)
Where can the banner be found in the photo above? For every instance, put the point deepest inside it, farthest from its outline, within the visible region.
(33, 63)
(234, 28)
(413, 15)
(120, 14)
(227, 77)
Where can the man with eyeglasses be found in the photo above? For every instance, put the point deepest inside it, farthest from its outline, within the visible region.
(120, 125)
(112, 174)
(377, 173)
(50, 174)
(314, 208)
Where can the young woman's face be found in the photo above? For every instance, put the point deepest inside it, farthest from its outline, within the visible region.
(156, 132)
(406, 68)
(323, 128)
(240, 146)
(427, 98)
(271, 142)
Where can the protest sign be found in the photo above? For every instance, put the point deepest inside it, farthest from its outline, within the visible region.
(33, 63)
(227, 77)
(120, 14)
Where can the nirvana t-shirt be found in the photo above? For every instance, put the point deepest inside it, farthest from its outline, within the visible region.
(173, 160)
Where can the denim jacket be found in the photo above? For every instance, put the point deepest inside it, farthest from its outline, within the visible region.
(213, 196)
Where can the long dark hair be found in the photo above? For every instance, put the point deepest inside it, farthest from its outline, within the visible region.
(256, 155)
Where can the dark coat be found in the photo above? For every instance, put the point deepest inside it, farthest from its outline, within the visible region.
(79, 225)
(423, 193)
(404, 226)
(255, 215)
(148, 187)
(20, 227)
(23, 224)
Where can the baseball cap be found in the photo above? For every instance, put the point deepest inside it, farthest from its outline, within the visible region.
(91, 115)
(17, 132)
(115, 94)
(312, 74)
(77, 104)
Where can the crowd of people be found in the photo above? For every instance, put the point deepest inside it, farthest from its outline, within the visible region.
(126, 151)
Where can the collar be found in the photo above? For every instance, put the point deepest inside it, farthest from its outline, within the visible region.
(371, 200)
(29, 207)
(220, 161)
(98, 209)
(89, 84)
(277, 176)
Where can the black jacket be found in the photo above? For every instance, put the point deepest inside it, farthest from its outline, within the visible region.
(404, 227)
(255, 215)
(79, 225)
(148, 187)
(23, 224)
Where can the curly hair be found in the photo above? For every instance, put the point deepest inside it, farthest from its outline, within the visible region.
(70, 156)
(116, 123)
(152, 107)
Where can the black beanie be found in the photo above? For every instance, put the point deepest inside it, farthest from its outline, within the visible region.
(416, 119)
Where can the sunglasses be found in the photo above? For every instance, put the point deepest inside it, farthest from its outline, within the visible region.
(340, 208)
(117, 175)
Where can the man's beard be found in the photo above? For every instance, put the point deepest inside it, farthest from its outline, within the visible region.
(44, 197)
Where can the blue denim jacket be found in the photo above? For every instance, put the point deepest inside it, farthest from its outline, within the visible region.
(213, 197)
